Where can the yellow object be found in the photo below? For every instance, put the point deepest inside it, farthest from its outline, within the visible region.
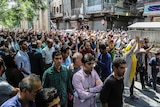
(134, 63)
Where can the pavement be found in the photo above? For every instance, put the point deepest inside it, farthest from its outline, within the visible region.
(146, 98)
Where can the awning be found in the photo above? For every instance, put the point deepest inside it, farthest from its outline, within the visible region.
(145, 25)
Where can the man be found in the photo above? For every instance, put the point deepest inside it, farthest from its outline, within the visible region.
(73, 68)
(87, 48)
(47, 97)
(65, 54)
(22, 58)
(86, 83)
(37, 65)
(26, 96)
(112, 91)
(141, 61)
(47, 53)
(58, 76)
(155, 67)
(104, 62)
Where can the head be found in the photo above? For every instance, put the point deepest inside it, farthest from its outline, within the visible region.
(102, 48)
(88, 61)
(49, 43)
(65, 51)
(39, 43)
(77, 59)
(29, 87)
(157, 55)
(87, 45)
(119, 66)
(23, 45)
(47, 97)
(57, 58)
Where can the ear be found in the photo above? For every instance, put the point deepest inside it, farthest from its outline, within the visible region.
(24, 90)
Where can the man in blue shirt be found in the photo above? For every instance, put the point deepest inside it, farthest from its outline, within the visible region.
(28, 89)
(104, 62)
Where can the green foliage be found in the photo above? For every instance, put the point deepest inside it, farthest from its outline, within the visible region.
(10, 17)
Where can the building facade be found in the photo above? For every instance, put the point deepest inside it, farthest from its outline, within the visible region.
(97, 14)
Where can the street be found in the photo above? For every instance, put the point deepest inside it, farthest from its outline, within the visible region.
(147, 98)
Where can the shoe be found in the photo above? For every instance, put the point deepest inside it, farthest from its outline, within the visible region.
(133, 97)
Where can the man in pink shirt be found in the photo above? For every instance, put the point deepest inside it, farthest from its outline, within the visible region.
(86, 83)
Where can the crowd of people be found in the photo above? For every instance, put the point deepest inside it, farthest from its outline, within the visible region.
(72, 69)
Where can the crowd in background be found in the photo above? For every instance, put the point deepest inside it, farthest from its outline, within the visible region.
(27, 51)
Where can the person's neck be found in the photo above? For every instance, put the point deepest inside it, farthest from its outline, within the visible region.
(75, 66)
(58, 68)
(24, 101)
(86, 71)
(116, 76)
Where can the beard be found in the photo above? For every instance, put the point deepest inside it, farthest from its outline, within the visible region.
(120, 74)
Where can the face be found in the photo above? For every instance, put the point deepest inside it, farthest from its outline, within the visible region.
(87, 45)
(58, 60)
(31, 95)
(50, 44)
(24, 46)
(88, 66)
(78, 61)
(120, 70)
(65, 55)
(55, 103)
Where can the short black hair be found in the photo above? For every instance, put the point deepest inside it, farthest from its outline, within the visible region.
(56, 53)
(64, 48)
(102, 46)
(118, 61)
(87, 58)
(22, 41)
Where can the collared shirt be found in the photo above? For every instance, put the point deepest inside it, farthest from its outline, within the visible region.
(59, 80)
(67, 61)
(22, 60)
(81, 81)
(47, 54)
(16, 102)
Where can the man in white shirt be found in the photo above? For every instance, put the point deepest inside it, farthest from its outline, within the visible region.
(47, 53)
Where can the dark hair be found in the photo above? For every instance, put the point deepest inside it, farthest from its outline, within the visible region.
(21, 42)
(56, 53)
(87, 58)
(64, 48)
(45, 96)
(28, 82)
(102, 46)
(118, 61)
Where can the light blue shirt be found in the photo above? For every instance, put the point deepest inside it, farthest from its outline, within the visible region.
(67, 62)
(22, 60)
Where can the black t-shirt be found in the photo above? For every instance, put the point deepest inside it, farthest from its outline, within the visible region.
(112, 91)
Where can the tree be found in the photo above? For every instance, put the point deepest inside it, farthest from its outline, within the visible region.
(12, 14)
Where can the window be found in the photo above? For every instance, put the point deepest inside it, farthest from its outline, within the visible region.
(57, 9)
(54, 10)
(60, 8)
(94, 2)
